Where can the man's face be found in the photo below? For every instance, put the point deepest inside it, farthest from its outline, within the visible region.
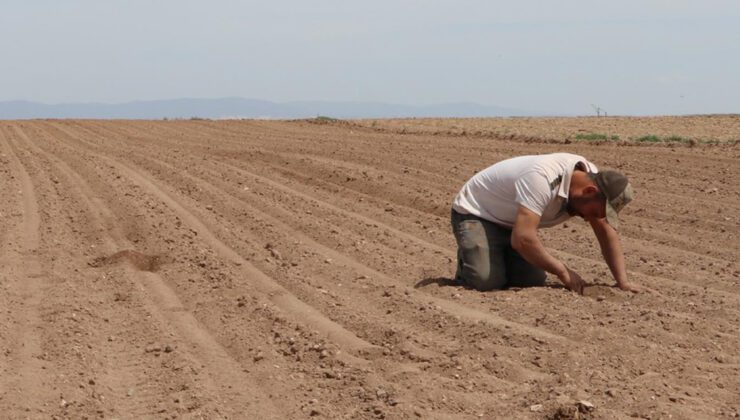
(588, 206)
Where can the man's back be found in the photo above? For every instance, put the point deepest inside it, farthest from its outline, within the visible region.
(538, 182)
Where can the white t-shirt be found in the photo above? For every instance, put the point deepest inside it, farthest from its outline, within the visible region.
(538, 182)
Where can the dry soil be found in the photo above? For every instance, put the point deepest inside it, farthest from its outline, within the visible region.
(297, 269)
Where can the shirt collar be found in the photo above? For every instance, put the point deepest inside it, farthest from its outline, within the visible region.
(565, 184)
(568, 176)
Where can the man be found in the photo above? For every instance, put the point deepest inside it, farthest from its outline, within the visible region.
(496, 214)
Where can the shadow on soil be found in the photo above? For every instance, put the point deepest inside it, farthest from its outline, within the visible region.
(446, 282)
(439, 281)
(597, 291)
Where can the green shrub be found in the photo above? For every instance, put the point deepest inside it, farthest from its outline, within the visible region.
(591, 137)
(324, 118)
(678, 139)
(650, 138)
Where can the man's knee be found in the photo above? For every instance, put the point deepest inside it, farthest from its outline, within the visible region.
(478, 267)
(482, 275)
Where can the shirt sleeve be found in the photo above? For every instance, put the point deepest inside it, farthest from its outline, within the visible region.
(533, 192)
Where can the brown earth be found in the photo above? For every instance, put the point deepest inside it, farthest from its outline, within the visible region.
(252, 269)
(672, 129)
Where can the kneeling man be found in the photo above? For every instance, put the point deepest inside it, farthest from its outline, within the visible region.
(496, 214)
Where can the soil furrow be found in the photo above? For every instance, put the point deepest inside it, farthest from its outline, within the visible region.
(163, 304)
(26, 385)
(302, 269)
(368, 271)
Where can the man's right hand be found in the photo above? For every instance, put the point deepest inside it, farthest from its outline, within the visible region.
(572, 281)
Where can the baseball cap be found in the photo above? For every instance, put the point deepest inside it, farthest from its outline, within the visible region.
(618, 192)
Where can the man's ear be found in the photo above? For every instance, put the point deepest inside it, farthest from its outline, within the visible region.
(590, 190)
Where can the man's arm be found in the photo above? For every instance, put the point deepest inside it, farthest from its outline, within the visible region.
(611, 249)
(525, 241)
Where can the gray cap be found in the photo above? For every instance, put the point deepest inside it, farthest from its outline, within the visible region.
(618, 192)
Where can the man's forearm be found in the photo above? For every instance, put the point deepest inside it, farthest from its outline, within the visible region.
(614, 258)
(532, 250)
(525, 241)
(611, 250)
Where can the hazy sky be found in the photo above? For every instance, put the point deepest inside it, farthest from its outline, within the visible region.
(630, 57)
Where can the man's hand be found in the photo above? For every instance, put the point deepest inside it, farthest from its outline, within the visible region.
(572, 281)
(630, 287)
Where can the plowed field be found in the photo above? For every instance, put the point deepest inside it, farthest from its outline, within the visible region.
(254, 269)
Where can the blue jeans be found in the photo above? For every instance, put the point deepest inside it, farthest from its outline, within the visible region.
(485, 258)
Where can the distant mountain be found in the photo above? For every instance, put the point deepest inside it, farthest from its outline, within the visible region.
(248, 108)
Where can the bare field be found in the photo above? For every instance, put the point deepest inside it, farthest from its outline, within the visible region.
(688, 129)
(254, 269)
